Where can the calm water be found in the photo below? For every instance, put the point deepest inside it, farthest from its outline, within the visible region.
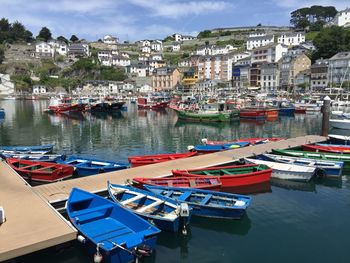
(285, 223)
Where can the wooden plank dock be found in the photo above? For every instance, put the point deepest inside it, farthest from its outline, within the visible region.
(61, 190)
(32, 224)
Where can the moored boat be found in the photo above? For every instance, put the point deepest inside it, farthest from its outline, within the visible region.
(35, 157)
(340, 124)
(207, 203)
(165, 213)
(109, 231)
(324, 167)
(2, 113)
(233, 175)
(330, 149)
(86, 166)
(140, 160)
(252, 113)
(40, 148)
(286, 171)
(207, 183)
(339, 139)
(40, 172)
(252, 141)
(208, 148)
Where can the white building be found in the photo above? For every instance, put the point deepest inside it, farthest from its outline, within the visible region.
(59, 47)
(139, 69)
(157, 46)
(216, 67)
(146, 49)
(291, 39)
(216, 50)
(144, 43)
(120, 61)
(156, 57)
(270, 53)
(79, 50)
(240, 55)
(204, 50)
(6, 86)
(43, 49)
(257, 34)
(342, 18)
(174, 47)
(269, 79)
(178, 37)
(260, 41)
(110, 40)
(146, 89)
(39, 89)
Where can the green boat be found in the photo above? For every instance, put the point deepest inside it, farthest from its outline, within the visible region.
(318, 155)
(211, 112)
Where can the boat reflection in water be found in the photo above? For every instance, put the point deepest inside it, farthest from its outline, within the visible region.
(107, 115)
(57, 118)
(330, 182)
(249, 189)
(294, 185)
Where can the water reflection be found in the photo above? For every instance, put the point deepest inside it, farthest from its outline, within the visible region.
(294, 185)
(250, 189)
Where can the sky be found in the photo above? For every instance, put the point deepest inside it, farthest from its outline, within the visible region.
(132, 20)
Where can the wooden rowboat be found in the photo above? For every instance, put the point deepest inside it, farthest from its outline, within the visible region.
(329, 149)
(252, 141)
(208, 183)
(157, 158)
(232, 176)
(40, 172)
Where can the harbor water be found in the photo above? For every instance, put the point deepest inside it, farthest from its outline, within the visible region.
(286, 222)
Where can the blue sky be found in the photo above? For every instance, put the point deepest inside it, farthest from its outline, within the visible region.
(140, 19)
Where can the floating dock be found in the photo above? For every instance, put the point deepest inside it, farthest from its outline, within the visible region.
(32, 224)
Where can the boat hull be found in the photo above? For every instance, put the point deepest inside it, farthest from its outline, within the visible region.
(207, 117)
(340, 124)
(141, 160)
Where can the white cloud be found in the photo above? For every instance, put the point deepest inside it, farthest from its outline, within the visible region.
(176, 9)
(295, 4)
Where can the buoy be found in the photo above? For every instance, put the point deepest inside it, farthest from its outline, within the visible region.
(234, 146)
(204, 140)
(190, 147)
(98, 257)
(184, 231)
(81, 239)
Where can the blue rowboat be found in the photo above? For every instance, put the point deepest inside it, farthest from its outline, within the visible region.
(109, 231)
(35, 157)
(85, 166)
(206, 203)
(323, 167)
(217, 147)
(163, 212)
(40, 148)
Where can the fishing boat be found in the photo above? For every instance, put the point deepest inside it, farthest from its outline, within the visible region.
(300, 110)
(340, 124)
(345, 158)
(339, 139)
(207, 203)
(109, 231)
(207, 183)
(329, 148)
(85, 166)
(252, 141)
(165, 213)
(216, 147)
(286, 171)
(107, 104)
(324, 167)
(40, 172)
(60, 105)
(151, 103)
(231, 176)
(40, 148)
(35, 157)
(252, 113)
(140, 160)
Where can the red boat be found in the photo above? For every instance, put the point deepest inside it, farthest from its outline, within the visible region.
(329, 149)
(271, 113)
(148, 104)
(207, 183)
(300, 110)
(40, 172)
(252, 113)
(157, 158)
(251, 141)
(64, 105)
(233, 175)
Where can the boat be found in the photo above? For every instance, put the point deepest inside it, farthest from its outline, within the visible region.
(60, 105)
(209, 112)
(165, 213)
(252, 141)
(85, 166)
(40, 148)
(35, 157)
(300, 110)
(208, 148)
(151, 103)
(252, 113)
(231, 176)
(107, 104)
(339, 139)
(345, 158)
(207, 203)
(207, 183)
(41, 172)
(2, 113)
(340, 124)
(329, 148)
(324, 167)
(109, 231)
(286, 171)
(140, 160)
(10, 97)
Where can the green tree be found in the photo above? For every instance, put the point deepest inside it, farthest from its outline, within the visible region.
(2, 54)
(169, 38)
(74, 38)
(204, 34)
(330, 41)
(308, 16)
(63, 39)
(44, 34)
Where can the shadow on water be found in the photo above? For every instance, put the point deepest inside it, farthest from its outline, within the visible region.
(250, 189)
(107, 115)
(218, 125)
(330, 182)
(294, 185)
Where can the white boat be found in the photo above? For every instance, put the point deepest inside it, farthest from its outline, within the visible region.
(324, 167)
(287, 171)
(9, 97)
(340, 124)
(339, 139)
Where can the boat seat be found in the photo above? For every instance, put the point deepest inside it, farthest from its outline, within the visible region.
(91, 214)
(46, 167)
(192, 183)
(206, 199)
(170, 183)
(207, 173)
(169, 193)
(184, 196)
(135, 198)
(154, 204)
(226, 172)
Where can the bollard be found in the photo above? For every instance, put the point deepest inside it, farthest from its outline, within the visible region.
(326, 110)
